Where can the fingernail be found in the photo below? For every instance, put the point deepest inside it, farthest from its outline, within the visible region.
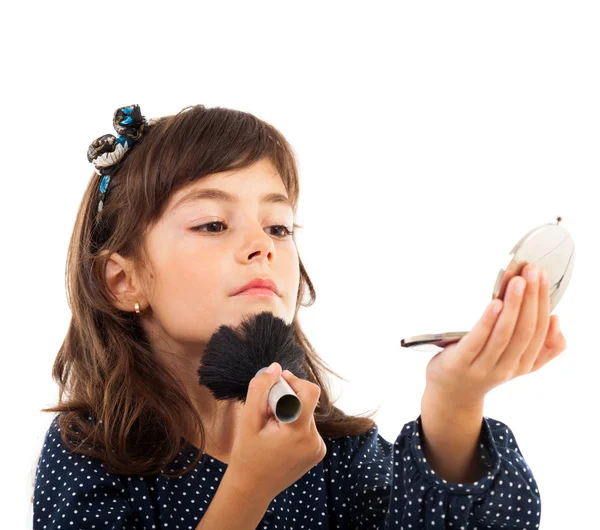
(519, 286)
(496, 306)
(272, 369)
(532, 274)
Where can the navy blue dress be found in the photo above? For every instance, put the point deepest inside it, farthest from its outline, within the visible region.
(364, 482)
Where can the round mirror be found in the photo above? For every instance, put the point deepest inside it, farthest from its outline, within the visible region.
(549, 246)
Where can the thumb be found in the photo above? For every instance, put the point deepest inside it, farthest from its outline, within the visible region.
(257, 400)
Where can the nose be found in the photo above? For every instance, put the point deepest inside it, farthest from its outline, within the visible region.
(258, 246)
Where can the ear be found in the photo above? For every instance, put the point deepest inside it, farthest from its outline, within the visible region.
(124, 283)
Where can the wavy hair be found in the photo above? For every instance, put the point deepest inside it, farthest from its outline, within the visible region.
(105, 367)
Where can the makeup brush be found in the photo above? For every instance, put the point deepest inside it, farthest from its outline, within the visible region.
(234, 356)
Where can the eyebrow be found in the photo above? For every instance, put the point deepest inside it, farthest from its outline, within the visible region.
(221, 195)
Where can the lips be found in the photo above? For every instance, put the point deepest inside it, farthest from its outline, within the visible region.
(261, 283)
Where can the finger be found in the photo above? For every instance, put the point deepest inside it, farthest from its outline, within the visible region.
(257, 399)
(513, 269)
(555, 339)
(308, 393)
(500, 335)
(543, 320)
(473, 342)
(526, 326)
(541, 361)
(554, 345)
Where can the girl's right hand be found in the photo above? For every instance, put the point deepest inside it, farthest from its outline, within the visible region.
(268, 456)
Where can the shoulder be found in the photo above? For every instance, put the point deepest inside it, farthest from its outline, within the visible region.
(78, 484)
(55, 453)
(352, 449)
(63, 467)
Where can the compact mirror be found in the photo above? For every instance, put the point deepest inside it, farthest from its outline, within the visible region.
(549, 246)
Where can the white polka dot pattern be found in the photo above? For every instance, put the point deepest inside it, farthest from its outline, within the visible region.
(364, 482)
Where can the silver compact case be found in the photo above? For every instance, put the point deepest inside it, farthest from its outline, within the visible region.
(549, 246)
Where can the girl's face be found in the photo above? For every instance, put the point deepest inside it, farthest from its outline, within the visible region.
(203, 250)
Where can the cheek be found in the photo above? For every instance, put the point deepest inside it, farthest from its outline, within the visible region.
(187, 298)
(292, 282)
(188, 276)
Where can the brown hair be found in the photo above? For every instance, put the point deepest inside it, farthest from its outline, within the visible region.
(105, 364)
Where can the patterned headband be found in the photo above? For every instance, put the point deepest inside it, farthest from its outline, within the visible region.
(106, 152)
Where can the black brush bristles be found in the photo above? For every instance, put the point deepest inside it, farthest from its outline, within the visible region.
(233, 356)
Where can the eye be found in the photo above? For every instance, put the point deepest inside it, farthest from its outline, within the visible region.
(286, 231)
(212, 223)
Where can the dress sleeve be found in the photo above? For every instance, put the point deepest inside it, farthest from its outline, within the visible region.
(393, 486)
(72, 491)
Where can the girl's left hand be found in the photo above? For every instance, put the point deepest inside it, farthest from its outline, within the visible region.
(520, 340)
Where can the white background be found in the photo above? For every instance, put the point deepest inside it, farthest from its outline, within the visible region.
(430, 138)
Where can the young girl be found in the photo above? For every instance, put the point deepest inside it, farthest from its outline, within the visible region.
(180, 214)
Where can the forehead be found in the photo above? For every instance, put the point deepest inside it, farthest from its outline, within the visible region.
(259, 182)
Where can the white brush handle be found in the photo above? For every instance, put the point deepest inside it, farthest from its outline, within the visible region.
(284, 402)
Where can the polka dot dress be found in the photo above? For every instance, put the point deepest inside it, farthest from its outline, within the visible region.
(364, 482)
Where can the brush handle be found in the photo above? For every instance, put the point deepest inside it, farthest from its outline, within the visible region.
(284, 402)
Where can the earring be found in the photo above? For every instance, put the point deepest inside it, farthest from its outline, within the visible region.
(137, 307)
